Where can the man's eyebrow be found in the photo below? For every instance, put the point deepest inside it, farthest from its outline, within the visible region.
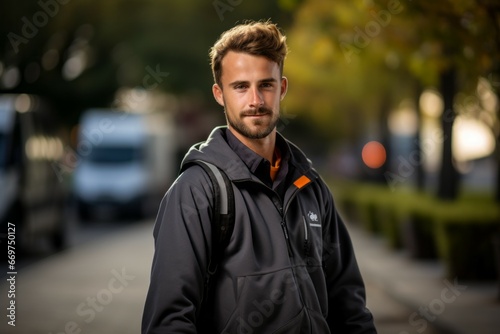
(240, 82)
(268, 80)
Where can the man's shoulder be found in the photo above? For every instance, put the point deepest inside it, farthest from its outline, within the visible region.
(192, 177)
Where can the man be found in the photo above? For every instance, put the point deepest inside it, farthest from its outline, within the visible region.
(289, 266)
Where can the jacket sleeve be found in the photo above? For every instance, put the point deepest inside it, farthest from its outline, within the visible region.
(347, 312)
(181, 231)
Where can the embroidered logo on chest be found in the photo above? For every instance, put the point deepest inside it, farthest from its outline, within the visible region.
(312, 216)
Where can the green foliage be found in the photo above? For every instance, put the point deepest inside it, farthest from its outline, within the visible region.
(345, 58)
(342, 76)
(460, 233)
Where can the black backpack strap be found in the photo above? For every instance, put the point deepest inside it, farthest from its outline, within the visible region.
(222, 225)
(223, 219)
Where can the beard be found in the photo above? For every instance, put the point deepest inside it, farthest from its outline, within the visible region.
(259, 129)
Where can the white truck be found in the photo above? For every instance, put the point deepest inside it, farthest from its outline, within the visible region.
(126, 163)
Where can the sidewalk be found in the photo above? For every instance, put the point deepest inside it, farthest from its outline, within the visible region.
(96, 288)
(433, 304)
(100, 287)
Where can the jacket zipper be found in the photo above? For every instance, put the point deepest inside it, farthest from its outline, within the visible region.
(287, 238)
(283, 222)
(306, 241)
(282, 211)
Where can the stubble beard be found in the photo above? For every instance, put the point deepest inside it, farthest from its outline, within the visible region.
(258, 133)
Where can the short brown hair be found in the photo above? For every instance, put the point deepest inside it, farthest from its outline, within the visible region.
(255, 38)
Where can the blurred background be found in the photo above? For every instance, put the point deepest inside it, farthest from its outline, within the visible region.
(395, 101)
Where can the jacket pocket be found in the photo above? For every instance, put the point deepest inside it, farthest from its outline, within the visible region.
(294, 326)
(312, 242)
(317, 324)
(265, 303)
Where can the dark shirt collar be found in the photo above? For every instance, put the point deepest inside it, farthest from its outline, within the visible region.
(258, 165)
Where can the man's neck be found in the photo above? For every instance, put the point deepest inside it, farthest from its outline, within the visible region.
(263, 147)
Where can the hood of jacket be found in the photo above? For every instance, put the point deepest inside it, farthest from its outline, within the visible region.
(217, 151)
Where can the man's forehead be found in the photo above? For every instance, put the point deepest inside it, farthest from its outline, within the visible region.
(239, 63)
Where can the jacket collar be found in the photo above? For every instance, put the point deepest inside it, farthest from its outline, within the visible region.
(217, 151)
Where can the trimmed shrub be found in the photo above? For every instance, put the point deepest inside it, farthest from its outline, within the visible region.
(460, 233)
(464, 235)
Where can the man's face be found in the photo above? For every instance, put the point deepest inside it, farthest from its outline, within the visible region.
(251, 91)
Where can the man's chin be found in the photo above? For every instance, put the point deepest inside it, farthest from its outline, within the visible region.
(254, 129)
(259, 132)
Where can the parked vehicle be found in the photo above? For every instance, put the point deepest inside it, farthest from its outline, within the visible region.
(32, 197)
(126, 163)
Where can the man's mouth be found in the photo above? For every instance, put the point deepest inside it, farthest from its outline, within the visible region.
(256, 115)
(259, 113)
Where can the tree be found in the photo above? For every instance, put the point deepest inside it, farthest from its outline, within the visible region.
(344, 77)
(445, 44)
(467, 46)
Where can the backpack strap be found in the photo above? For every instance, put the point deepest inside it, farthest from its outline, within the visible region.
(223, 219)
(222, 225)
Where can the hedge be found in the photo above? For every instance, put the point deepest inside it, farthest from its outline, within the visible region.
(460, 233)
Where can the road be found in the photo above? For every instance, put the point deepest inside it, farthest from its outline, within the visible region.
(98, 285)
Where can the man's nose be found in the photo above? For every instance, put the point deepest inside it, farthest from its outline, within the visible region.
(256, 99)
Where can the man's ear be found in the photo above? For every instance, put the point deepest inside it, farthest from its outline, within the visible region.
(284, 87)
(217, 91)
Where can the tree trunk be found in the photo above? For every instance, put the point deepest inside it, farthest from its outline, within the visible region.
(419, 170)
(495, 84)
(385, 135)
(448, 176)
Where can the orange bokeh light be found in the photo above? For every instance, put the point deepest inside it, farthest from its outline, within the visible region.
(373, 154)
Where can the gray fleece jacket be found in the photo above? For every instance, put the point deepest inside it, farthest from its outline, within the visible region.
(289, 266)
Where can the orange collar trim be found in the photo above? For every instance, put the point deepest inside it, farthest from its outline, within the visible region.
(301, 181)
